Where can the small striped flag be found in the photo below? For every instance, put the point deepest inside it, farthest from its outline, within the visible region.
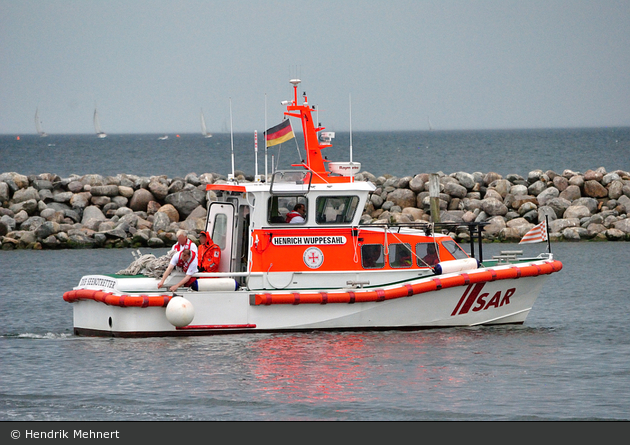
(279, 134)
(537, 234)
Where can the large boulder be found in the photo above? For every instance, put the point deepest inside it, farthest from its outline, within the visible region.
(615, 189)
(161, 221)
(559, 205)
(576, 211)
(590, 203)
(497, 224)
(22, 195)
(455, 190)
(400, 197)
(623, 225)
(548, 194)
(594, 175)
(594, 189)
(158, 189)
(92, 212)
(5, 192)
(93, 180)
(140, 200)
(187, 201)
(493, 207)
(571, 193)
(104, 190)
(559, 225)
(170, 211)
(29, 206)
(465, 179)
(416, 184)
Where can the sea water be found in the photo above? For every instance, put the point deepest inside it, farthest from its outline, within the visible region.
(403, 153)
(569, 360)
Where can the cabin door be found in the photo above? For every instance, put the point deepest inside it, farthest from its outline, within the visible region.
(220, 226)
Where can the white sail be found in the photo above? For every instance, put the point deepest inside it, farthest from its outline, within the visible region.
(204, 131)
(97, 126)
(38, 124)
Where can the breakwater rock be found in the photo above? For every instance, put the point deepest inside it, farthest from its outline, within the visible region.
(46, 211)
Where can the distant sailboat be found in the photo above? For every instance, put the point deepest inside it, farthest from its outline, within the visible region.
(97, 126)
(429, 122)
(38, 124)
(204, 131)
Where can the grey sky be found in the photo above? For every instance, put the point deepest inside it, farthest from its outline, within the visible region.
(150, 66)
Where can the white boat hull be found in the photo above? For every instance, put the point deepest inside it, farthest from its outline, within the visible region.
(504, 301)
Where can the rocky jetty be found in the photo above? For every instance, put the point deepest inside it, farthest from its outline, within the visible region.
(46, 211)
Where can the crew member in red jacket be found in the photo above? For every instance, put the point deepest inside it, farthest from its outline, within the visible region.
(209, 253)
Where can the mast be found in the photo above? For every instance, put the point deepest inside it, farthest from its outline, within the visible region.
(314, 160)
(204, 130)
(231, 140)
(266, 171)
(350, 102)
(38, 124)
(97, 125)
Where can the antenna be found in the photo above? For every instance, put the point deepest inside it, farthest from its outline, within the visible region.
(350, 101)
(266, 177)
(257, 177)
(231, 177)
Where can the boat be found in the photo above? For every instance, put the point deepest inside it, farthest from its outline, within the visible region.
(97, 126)
(38, 124)
(163, 138)
(204, 130)
(328, 273)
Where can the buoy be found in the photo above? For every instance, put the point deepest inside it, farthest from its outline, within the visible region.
(179, 312)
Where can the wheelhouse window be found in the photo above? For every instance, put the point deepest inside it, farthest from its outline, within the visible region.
(427, 254)
(336, 209)
(282, 209)
(455, 250)
(219, 230)
(400, 256)
(372, 256)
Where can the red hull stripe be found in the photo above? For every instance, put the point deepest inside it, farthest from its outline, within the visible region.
(461, 300)
(217, 326)
(471, 298)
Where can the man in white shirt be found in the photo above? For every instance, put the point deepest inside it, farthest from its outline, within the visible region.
(297, 215)
(183, 242)
(186, 261)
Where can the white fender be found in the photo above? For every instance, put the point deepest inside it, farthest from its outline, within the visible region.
(216, 284)
(456, 266)
(179, 312)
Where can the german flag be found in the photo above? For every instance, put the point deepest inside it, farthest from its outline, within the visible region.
(279, 134)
